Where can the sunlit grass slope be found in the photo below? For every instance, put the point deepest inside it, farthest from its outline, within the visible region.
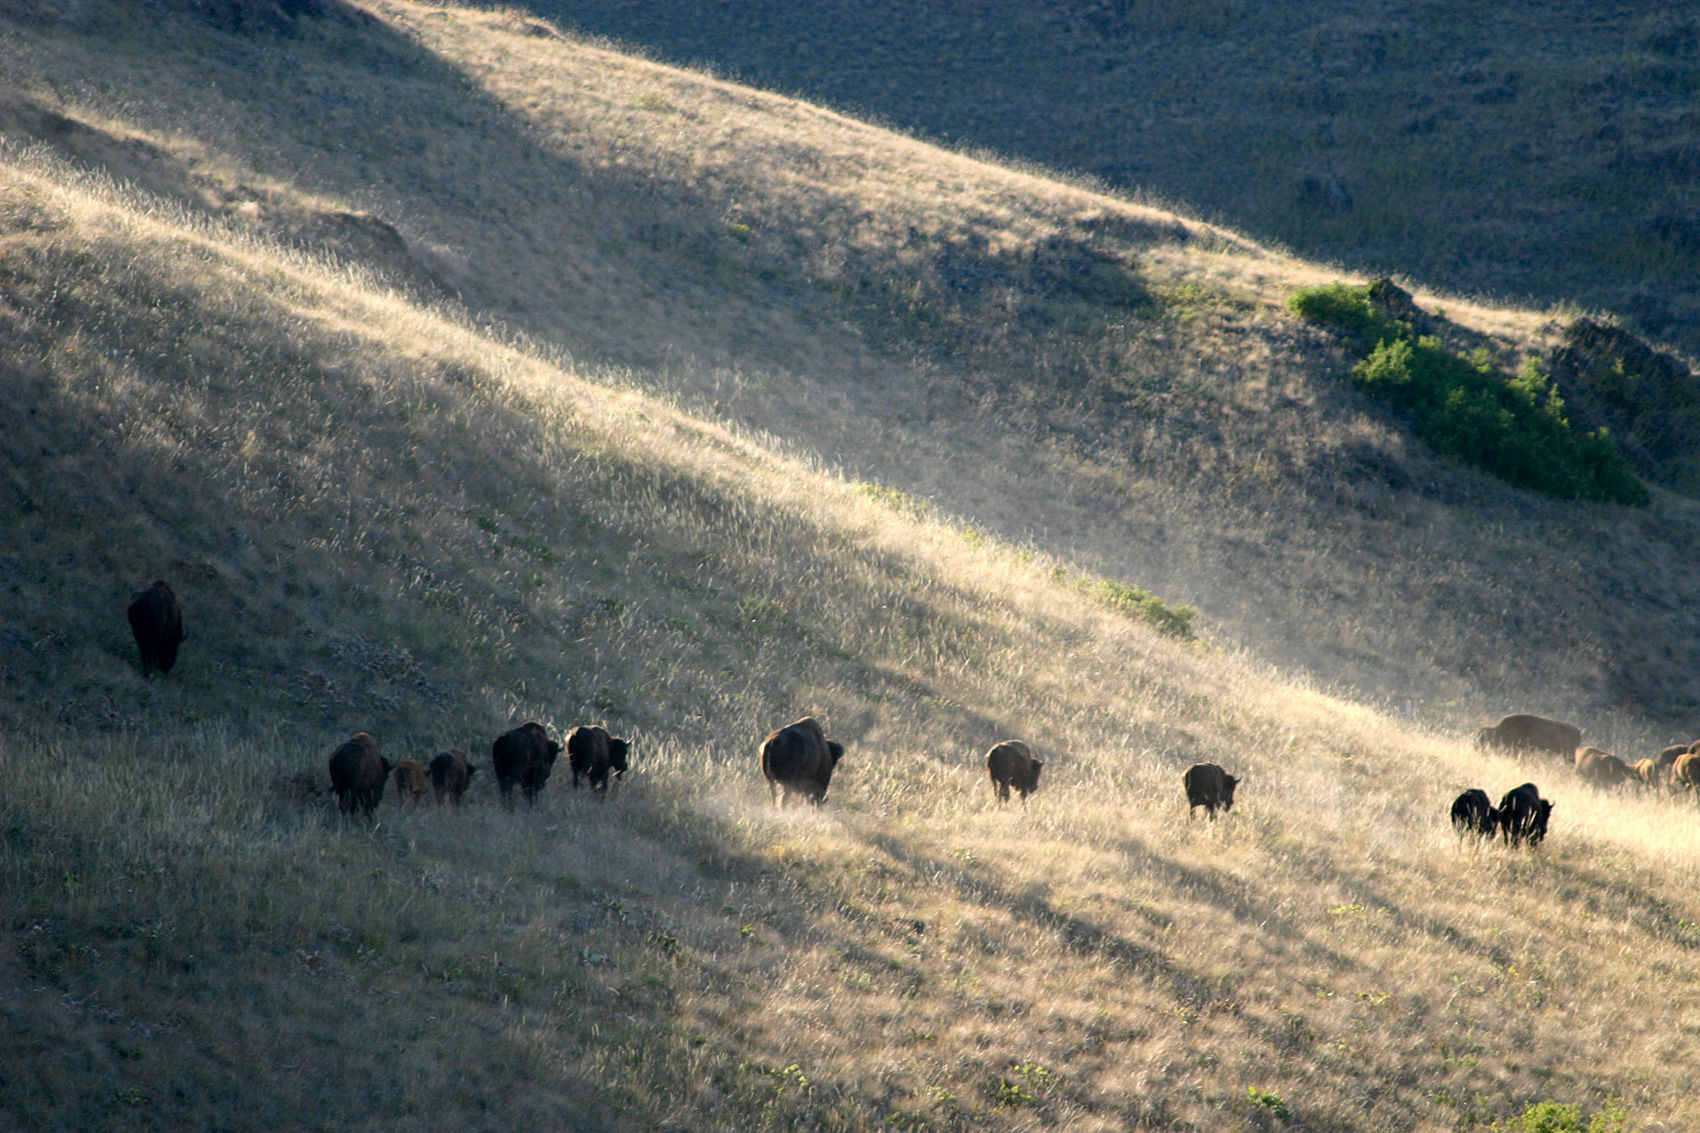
(378, 517)
(1101, 381)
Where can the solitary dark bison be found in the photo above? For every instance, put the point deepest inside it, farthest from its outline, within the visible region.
(592, 753)
(358, 774)
(1523, 815)
(1472, 813)
(450, 774)
(1684, 774)
(1011, 764)
(410, 782)
(1208, 786)
(1602, 769)
(524, 756)
(798, 760)
(157, 622)
(1523, 732)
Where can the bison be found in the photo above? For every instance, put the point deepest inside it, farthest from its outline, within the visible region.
(358, 774)
(1523, 815)
(1472, 813)
(523, 756)
(593, 753)
(1684, 774)
(798, 759)
(157, 623)
(1011, 764)
(1601, 768)
(1670, 755)
(1208, 786)
(1647, 772)
(410, 782)
(450, 775)
(1523, 732)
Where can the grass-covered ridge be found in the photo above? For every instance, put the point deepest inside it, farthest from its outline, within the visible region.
(1511, 426)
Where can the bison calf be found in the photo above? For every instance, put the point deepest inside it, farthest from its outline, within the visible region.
(1472, 813)
(593, 753)
(798, 759)
(1011, 764)
(358, 774)
(157, 623)
(450, 775)
(1523, 816)
(523, 757)
(1208, 786)
(410, 782)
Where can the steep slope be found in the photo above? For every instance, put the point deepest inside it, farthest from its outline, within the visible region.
(1101, 381)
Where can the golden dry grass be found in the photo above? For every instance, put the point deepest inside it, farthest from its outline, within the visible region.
(384, 516)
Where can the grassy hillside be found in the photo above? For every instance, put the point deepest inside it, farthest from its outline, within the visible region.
(1104, 382)
(1527, 151)
(438, 423)
(380, 519)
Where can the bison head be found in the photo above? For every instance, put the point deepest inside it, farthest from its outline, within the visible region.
(471, 770)
(1538, 828)
(1033, 775)
(836, 750)
(388, 766)
(554, 750)
(1228, 785)
(618, 750)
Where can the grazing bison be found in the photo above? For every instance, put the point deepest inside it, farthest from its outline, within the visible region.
(1647, 772)
(592, 753)
(1602, 769)
(1684, 774)
(1472, 813)
(1208, 786)
(1523, 815)
(1523, 732)
(1011, 764)
(798, 759)
(1670, 755)
(523, 756)
(358, 774)
(157, 623)
(410, 782)
(450, 774)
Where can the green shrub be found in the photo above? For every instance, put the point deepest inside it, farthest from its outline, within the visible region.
(1514, 428)
(1171, 621)
(1556, 1117)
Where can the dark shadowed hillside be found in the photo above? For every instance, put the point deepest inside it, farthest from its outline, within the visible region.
(1541, 152)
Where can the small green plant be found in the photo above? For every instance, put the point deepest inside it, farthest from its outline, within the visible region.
(1012, 1094)
(1268, 1102)
(1170, 621)
(1514, 428)
(897, 500)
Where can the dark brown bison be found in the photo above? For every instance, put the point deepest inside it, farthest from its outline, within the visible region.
(523, 756)
(410, 782)
(1473, 813)
(1523, 816)
(1684, 774)
(157, 623)
(358, 774)
(1523, 732)
(1011, 764)
(450, 775)
(1602, 769)
(1670, 755)
(1647, 772)
(1208, 786)
(592, 753)
(798, 759)
(1694, 748)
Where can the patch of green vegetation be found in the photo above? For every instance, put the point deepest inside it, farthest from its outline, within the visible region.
(1514, 428)
(1557, 1117)
(897, 500)
(1268, 1102)
(1170, 621)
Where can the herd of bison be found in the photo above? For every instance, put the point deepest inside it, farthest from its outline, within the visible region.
(799, 760)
